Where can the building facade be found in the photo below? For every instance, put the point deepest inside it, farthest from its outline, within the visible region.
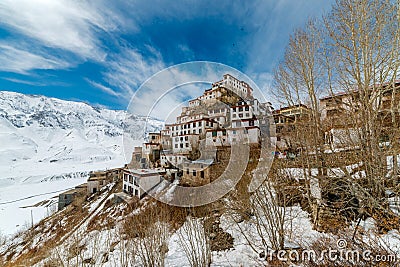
(137, 182)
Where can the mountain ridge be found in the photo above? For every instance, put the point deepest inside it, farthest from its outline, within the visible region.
(59, 135)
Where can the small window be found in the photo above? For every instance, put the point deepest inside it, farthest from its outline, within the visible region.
(194, 172)
(246, 108)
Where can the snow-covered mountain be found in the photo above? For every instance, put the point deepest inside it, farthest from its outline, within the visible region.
(48, 136)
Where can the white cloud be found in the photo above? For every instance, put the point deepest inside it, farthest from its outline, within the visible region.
(20, 61)
(127, 70)
(103, 88)
(22, 81)
(64, 24)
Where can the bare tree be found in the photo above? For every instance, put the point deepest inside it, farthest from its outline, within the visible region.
(153, 230)
(195, 241)
(354, 49)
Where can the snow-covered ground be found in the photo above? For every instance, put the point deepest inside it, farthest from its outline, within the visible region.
(49, 145)
(18, 201)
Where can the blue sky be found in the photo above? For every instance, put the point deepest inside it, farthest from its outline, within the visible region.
(101, 51)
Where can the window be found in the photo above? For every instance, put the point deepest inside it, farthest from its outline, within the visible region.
(186, 138)
(194, 172)
(187, 144)
(247, 114)
(240, 109)
(187, 171)
(176, 145)
(199, 131)
(181, 145)
(240, 115)
(234, 131)
(202, 174)
(246, 108)
(233, 115)
(214, 134)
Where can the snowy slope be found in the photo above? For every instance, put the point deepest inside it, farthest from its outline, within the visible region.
(40, 135)
(43, 140)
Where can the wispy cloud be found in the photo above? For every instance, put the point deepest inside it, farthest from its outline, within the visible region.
(103, 88)
(63, 24)
(23, 81)
(20, 61)
(128, 69)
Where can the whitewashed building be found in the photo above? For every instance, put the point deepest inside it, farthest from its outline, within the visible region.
(137, 182)
(172, 159)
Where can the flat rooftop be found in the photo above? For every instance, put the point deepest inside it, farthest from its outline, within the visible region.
(146, 172)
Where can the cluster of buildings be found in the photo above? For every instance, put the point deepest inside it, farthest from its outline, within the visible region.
(225, 114)
(196, 146)
(338, 112)
(198, 141)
